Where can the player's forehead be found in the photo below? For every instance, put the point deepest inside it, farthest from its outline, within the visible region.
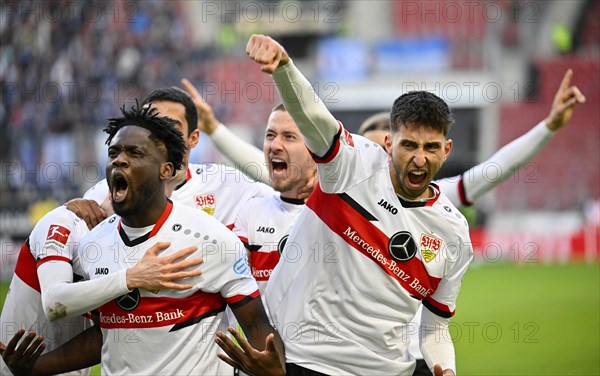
(421, 133)
(281, 122)
(174, 111)
(131, 135)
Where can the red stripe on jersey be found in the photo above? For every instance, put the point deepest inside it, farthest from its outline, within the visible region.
(443, 310)
(189, 175)
(163, 218)
(154, 312)
(345, 221)
(243, 239)
(263, 263)
(26, 268)
(236, 298)
(333, 150)
(53, 258)
(230, 226)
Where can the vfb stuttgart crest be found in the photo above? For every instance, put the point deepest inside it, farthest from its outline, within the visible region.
(430, 246)
(206, 202)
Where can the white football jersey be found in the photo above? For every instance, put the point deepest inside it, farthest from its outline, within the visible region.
(168, 332)
(358, 264)
(263, 225)
(53, 239)
(454, 189)
(215, 188)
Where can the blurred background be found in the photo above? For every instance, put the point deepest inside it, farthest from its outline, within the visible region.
(67, 66)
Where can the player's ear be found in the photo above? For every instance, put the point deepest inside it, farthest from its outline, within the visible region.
(388, 143)
(166, 171)
(193, 139)
(447, 148)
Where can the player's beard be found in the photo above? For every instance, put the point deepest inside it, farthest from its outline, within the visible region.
(141, 202)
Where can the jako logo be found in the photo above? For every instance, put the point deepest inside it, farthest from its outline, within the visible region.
(267, 230)
(383, 203)
(103, 271)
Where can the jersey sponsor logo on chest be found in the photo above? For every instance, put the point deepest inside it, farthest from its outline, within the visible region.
(401, 250)
(206, 202)
(133, 318)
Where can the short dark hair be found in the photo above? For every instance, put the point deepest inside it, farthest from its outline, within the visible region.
(171, 94)
(279, 107)
(162, 130)
(377, 122)
(421, 108)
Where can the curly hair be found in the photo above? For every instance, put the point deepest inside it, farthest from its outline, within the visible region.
(162, 130)
(421, 108)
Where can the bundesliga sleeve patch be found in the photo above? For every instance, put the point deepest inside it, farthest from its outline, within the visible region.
(58, 234)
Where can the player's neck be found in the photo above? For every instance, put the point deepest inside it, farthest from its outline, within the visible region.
(147, 215)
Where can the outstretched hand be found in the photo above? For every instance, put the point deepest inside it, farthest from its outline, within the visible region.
(267, 52)
(20, 360)
(248, 359)
(565, 100)
(154, 273)
(207, 122)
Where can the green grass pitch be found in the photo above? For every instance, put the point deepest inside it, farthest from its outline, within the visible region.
(523, 320)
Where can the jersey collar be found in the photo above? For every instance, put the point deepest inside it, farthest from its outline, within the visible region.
(157, 226)
(421, 203)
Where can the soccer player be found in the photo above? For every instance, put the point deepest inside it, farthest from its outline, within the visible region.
(246, 157)
(166, 331)
(467, 188)
(214, 188)
(375, 242)
(42, 296)
(264, 223)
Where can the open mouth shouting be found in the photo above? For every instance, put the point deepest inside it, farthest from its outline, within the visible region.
(279, 168)
(417, 178)
(119, 187)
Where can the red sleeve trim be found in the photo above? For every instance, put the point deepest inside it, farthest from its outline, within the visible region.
(236, 298)
(462, 194)
(333, 150)
(230, 226)
(52, 258)
(439, 309)
(243, 239)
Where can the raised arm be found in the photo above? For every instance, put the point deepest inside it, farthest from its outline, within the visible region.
(245, 156)
(514, 155)
(317, 125)
(62, 298)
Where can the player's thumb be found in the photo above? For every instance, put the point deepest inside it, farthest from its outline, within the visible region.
(270, 343)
